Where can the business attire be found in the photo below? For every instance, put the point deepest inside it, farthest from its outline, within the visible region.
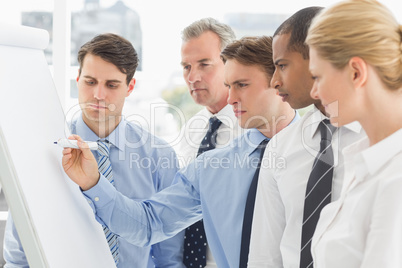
(193, 132)
(278, 214)
(196, 127)
(213, 187)
(142, 166)
(363, 227)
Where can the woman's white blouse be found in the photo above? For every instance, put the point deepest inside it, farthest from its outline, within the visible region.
(363, 228)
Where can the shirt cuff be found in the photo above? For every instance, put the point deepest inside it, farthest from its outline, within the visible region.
(102, 193)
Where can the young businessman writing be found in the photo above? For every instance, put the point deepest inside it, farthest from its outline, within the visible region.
(107, 66)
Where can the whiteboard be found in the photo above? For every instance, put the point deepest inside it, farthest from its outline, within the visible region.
(56, 225)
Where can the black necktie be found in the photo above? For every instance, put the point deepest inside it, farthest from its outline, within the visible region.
(195, 241)
(249, 210)
(318, 191)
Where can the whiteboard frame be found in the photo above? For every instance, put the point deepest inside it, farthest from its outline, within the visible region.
(18, 207)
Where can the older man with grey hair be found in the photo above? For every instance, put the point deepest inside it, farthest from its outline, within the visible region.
(203, 71)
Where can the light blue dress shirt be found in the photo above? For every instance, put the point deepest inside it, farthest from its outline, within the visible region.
(142, 166)
(213, 187)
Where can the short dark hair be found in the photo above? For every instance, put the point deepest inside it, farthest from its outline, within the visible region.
(256, 50)
(114, 49)
(297, 25)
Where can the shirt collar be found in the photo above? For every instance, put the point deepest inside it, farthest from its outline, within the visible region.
(315, 117)
(353, 158)
(117, 137)
(254, 138)
(225, 115)
(381, 153)
(295, 118)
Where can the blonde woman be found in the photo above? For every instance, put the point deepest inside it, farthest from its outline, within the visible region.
(356, 62)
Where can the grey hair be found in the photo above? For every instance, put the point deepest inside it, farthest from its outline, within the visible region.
(195, 29)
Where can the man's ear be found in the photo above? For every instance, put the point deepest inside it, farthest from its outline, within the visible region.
(131, 87)
(359, 71)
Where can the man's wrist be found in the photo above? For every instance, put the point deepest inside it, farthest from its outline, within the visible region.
(92, 184)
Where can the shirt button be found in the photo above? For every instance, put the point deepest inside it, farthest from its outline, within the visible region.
(96, 199)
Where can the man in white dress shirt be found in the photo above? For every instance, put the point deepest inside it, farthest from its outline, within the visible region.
(278, 215)
(203, 71)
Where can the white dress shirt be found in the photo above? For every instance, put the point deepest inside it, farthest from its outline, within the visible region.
(195, 130)
(364, 227)
(278, 214)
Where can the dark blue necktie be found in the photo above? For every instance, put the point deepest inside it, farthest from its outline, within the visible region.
(195, 241)
(249, 211)
(318, 191)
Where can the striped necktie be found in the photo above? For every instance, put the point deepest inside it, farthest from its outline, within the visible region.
(195, 241)
(318, 191)
(105, 168)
